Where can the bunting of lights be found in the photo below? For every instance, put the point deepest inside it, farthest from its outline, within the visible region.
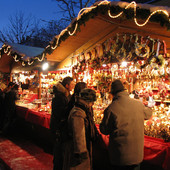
(130, 12)
(6, 49)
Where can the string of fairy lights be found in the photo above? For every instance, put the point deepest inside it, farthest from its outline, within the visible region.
(7, 48)
(81, 12)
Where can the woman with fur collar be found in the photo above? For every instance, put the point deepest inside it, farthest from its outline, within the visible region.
(60, 102)
(82, 132)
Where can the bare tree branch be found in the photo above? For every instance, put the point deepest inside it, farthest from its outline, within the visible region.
(70, 8)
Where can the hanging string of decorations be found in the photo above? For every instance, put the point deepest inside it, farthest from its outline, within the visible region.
(123, 47)
(131, 11)
(6, 49)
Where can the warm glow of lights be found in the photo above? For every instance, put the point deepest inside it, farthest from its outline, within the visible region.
(23, 64)
(30, 63)
(116, 16)
(45, 66)
(15, 58)
(124, 64)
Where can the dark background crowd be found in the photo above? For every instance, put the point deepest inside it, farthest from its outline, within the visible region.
(8, 96)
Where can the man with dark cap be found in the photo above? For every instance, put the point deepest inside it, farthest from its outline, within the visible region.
(124, 121)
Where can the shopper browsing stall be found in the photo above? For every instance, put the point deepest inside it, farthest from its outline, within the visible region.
(59, 104)
(82, 132)
(124, 121)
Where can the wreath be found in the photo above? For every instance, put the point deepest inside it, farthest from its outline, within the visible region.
(142, 50)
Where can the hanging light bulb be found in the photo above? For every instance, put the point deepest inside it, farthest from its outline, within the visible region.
(124, 64)
(45, 66)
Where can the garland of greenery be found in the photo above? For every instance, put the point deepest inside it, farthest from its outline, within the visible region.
(128, 14)
(6, 49)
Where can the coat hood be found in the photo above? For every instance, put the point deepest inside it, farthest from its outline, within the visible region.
(60, 88)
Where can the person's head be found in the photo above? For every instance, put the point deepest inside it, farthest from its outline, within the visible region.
(16, 86)
(116, 87)
(27, 81)
(136, 85)
(78, 87)
(2, 86)
(68, 83)
(10, 84)
(88, 95)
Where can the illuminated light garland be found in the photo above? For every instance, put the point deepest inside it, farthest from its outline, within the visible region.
(78, 17)
(23, 64)
(39, 58)
(30, 63)
(79, 14)
(15, 58)
(9, 52)
(109, 13)
(6, 51)
(135, 19)
(58, 40)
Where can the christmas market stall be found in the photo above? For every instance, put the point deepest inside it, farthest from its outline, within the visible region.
(114, 40)
(21, 62)
(128, 41)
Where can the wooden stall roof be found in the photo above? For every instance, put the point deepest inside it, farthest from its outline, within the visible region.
(100, 27)
(7, 61)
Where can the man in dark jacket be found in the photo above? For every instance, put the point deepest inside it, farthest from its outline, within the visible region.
(2, 95)
(11, 95)
(59, 105)
(124, 121)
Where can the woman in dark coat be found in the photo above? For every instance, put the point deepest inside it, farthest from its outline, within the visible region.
(78, 87)
(78, 150)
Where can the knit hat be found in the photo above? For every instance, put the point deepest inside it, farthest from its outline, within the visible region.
(117, 86)
(88, 95)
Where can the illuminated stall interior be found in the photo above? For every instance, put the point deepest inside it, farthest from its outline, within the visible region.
(120, 40)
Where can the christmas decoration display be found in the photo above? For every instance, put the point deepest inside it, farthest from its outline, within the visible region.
(126, 11)
(123, 47)
(131, 58)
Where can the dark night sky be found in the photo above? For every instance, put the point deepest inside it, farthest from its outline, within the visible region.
(41, 9)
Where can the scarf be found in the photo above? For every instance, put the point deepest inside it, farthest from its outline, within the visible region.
(89, 113)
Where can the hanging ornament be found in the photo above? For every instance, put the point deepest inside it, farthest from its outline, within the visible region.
(142, 50)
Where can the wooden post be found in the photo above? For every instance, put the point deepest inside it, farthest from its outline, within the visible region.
(10, 79)
(39, 88)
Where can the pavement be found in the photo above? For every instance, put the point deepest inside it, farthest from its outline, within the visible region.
(27, 147)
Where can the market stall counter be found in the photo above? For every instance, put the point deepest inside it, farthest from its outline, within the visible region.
(156, 151)
(35, 117)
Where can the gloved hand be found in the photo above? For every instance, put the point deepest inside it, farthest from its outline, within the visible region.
(78, 158)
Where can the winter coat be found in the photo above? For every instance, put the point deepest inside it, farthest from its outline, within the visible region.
(1, 108)
(78, 151)
(124, 121)
(9, 109)
(59, 105)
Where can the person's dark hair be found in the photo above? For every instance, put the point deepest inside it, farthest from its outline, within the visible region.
(67, 80)
(78, 87)
(88, 95)
(10, 84)
(116, 87)
(16, 86)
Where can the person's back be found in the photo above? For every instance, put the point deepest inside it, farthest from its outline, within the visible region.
(124, 122)
(127, 136)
